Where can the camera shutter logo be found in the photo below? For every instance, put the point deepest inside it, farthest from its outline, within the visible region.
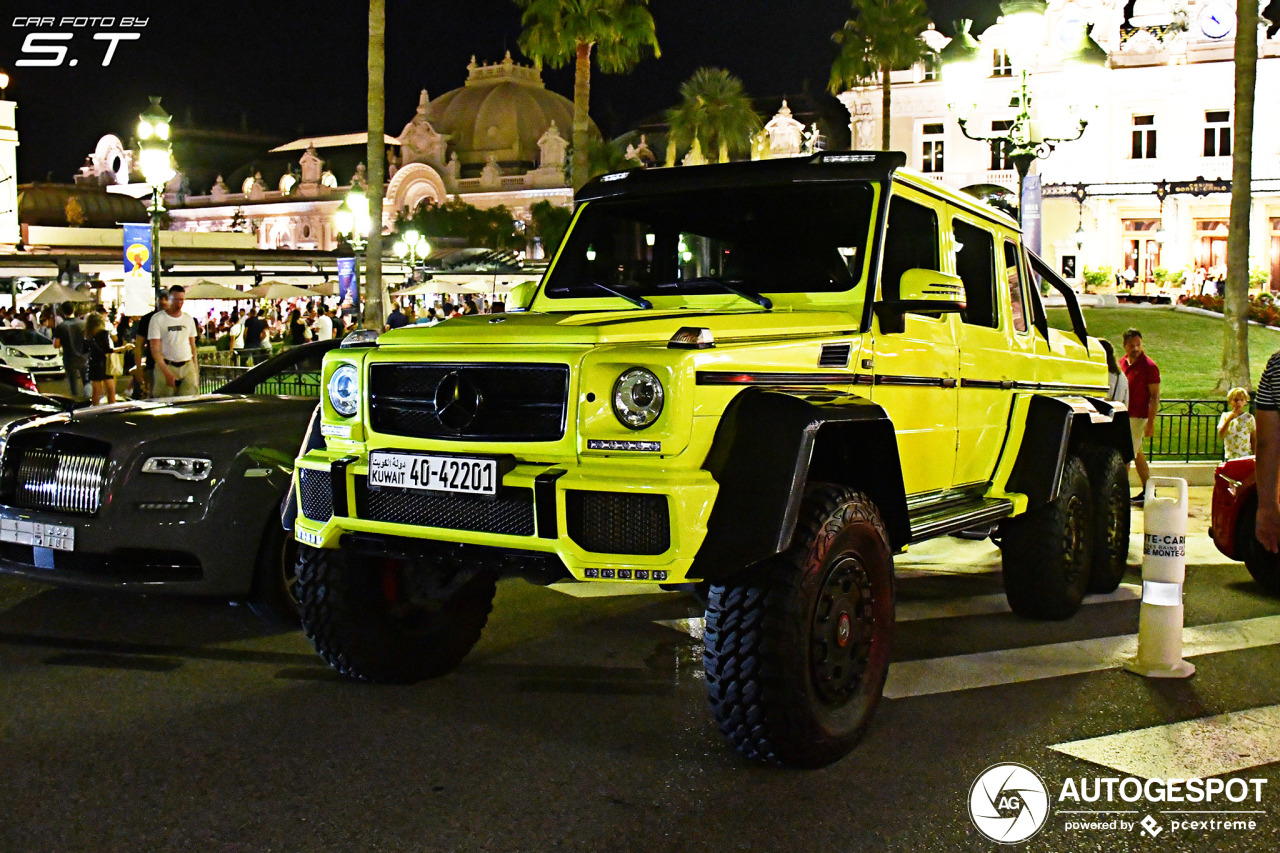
(1009, 803)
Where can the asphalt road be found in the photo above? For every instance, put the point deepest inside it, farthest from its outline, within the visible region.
(580, 723)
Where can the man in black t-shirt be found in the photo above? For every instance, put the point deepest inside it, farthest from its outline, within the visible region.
(255, 330)
(144, 363)
(68, 336)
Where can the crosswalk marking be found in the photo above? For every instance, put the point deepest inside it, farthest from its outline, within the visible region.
(982, 605)
(1009, 666)
(911, 611)
(1194, 749)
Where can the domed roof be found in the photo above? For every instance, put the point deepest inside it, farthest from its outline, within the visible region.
(46, 204)
(502, 111)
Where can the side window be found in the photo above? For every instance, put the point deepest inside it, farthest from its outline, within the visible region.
(1012, 271)
(975, 264)
(910, 243)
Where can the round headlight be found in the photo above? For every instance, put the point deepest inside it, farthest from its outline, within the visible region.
(344, 390)
(637, 398)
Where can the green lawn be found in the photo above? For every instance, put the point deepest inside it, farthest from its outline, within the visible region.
(1188, 347)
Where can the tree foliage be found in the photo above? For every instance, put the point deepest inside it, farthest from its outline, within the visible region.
(714, 111)
(490, 228)
(550, 222)
(557, 32)
(881, 36)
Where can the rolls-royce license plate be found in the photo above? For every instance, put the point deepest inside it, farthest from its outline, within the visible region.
(59, 537)
(465, 475)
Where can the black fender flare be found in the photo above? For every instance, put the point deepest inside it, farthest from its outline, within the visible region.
(1054, 427)
(767, 447)
(313, 440)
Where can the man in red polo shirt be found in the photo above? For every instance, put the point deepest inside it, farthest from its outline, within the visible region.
(1144, 398)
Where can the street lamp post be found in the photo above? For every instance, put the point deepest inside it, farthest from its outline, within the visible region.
(1026, 139)
(353, 224)
(412, 247)
(156, 162)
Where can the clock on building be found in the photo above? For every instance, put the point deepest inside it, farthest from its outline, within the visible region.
(1217, 20)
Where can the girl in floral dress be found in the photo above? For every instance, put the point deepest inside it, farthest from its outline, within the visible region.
(1236, 427)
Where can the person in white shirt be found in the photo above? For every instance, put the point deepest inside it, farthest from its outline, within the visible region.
(172, 338)
(324, 325)
(237, 335)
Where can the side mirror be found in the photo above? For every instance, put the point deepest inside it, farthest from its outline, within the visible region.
(521, 296)
(922, 291)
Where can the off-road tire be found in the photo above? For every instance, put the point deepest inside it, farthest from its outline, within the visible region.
(274, 596)
(356, 617)
(1047, 550)
(1261, 563)
(1109, 480)
(797, 649)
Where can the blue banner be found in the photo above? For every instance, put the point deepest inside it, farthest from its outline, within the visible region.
(347, 292)
(1031, 213)
(137, 247)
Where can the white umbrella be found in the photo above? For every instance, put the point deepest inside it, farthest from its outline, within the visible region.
(212, 290)
(276, 290)
(326, 288)
(55, 293)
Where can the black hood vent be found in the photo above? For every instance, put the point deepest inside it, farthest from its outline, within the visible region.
(835, 355)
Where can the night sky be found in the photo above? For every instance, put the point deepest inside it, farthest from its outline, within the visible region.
(290, 68)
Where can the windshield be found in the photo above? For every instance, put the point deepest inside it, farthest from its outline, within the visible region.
(23, 338)
(800, 238)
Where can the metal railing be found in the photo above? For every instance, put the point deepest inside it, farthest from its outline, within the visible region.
(301, 383)
(1186, 430)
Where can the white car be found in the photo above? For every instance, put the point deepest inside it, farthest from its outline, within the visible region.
(28, 350)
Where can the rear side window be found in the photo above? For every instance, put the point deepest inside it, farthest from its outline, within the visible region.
(1013, 271)
(975, 264)
(911, 242)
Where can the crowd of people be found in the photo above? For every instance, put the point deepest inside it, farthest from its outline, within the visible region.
(102, 348)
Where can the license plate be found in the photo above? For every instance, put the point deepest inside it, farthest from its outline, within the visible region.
(454, 474)
(59, 537)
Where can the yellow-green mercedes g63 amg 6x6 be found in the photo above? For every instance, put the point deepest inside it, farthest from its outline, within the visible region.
(761, 378)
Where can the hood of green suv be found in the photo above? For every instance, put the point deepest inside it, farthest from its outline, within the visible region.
(620, 327)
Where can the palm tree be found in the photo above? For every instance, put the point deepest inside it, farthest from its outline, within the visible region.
(557, 31)
(882, 35)
(604, 156)
(1235, 304)
(374, 307)
(715, 112)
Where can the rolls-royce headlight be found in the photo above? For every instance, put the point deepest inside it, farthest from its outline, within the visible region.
(637, 398)
(182, 467)
(344, 390)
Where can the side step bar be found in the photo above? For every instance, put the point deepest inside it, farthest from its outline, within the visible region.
(931, 522)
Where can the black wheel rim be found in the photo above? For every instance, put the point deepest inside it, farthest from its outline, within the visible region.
(840, 646)
(1073, 539)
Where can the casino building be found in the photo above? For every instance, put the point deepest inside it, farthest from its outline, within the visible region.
(1147, 187)
(499, 139)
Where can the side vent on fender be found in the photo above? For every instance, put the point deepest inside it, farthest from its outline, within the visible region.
(834, 355)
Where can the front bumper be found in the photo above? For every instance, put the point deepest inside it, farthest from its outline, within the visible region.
(561, 509)
(158, 554)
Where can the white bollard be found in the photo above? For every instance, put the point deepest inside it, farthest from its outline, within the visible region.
(1164, 568)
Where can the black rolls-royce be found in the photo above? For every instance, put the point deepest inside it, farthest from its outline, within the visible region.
(178, 496)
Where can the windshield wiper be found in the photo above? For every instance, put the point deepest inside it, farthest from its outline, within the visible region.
(638, 301)
(763, 301)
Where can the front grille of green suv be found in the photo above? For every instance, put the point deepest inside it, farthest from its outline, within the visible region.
(470, 401)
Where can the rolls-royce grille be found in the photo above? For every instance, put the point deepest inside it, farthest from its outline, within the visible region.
(317, 494)
(511, 513)
(490, 402)
(62, 482)
(618, 522)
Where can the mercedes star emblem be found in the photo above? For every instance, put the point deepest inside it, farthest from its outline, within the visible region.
(457, 401)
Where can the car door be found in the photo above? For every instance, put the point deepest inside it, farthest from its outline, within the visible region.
(915, 362)
(987, 368)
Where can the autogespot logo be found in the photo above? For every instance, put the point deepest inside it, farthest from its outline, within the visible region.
(1009, 803)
